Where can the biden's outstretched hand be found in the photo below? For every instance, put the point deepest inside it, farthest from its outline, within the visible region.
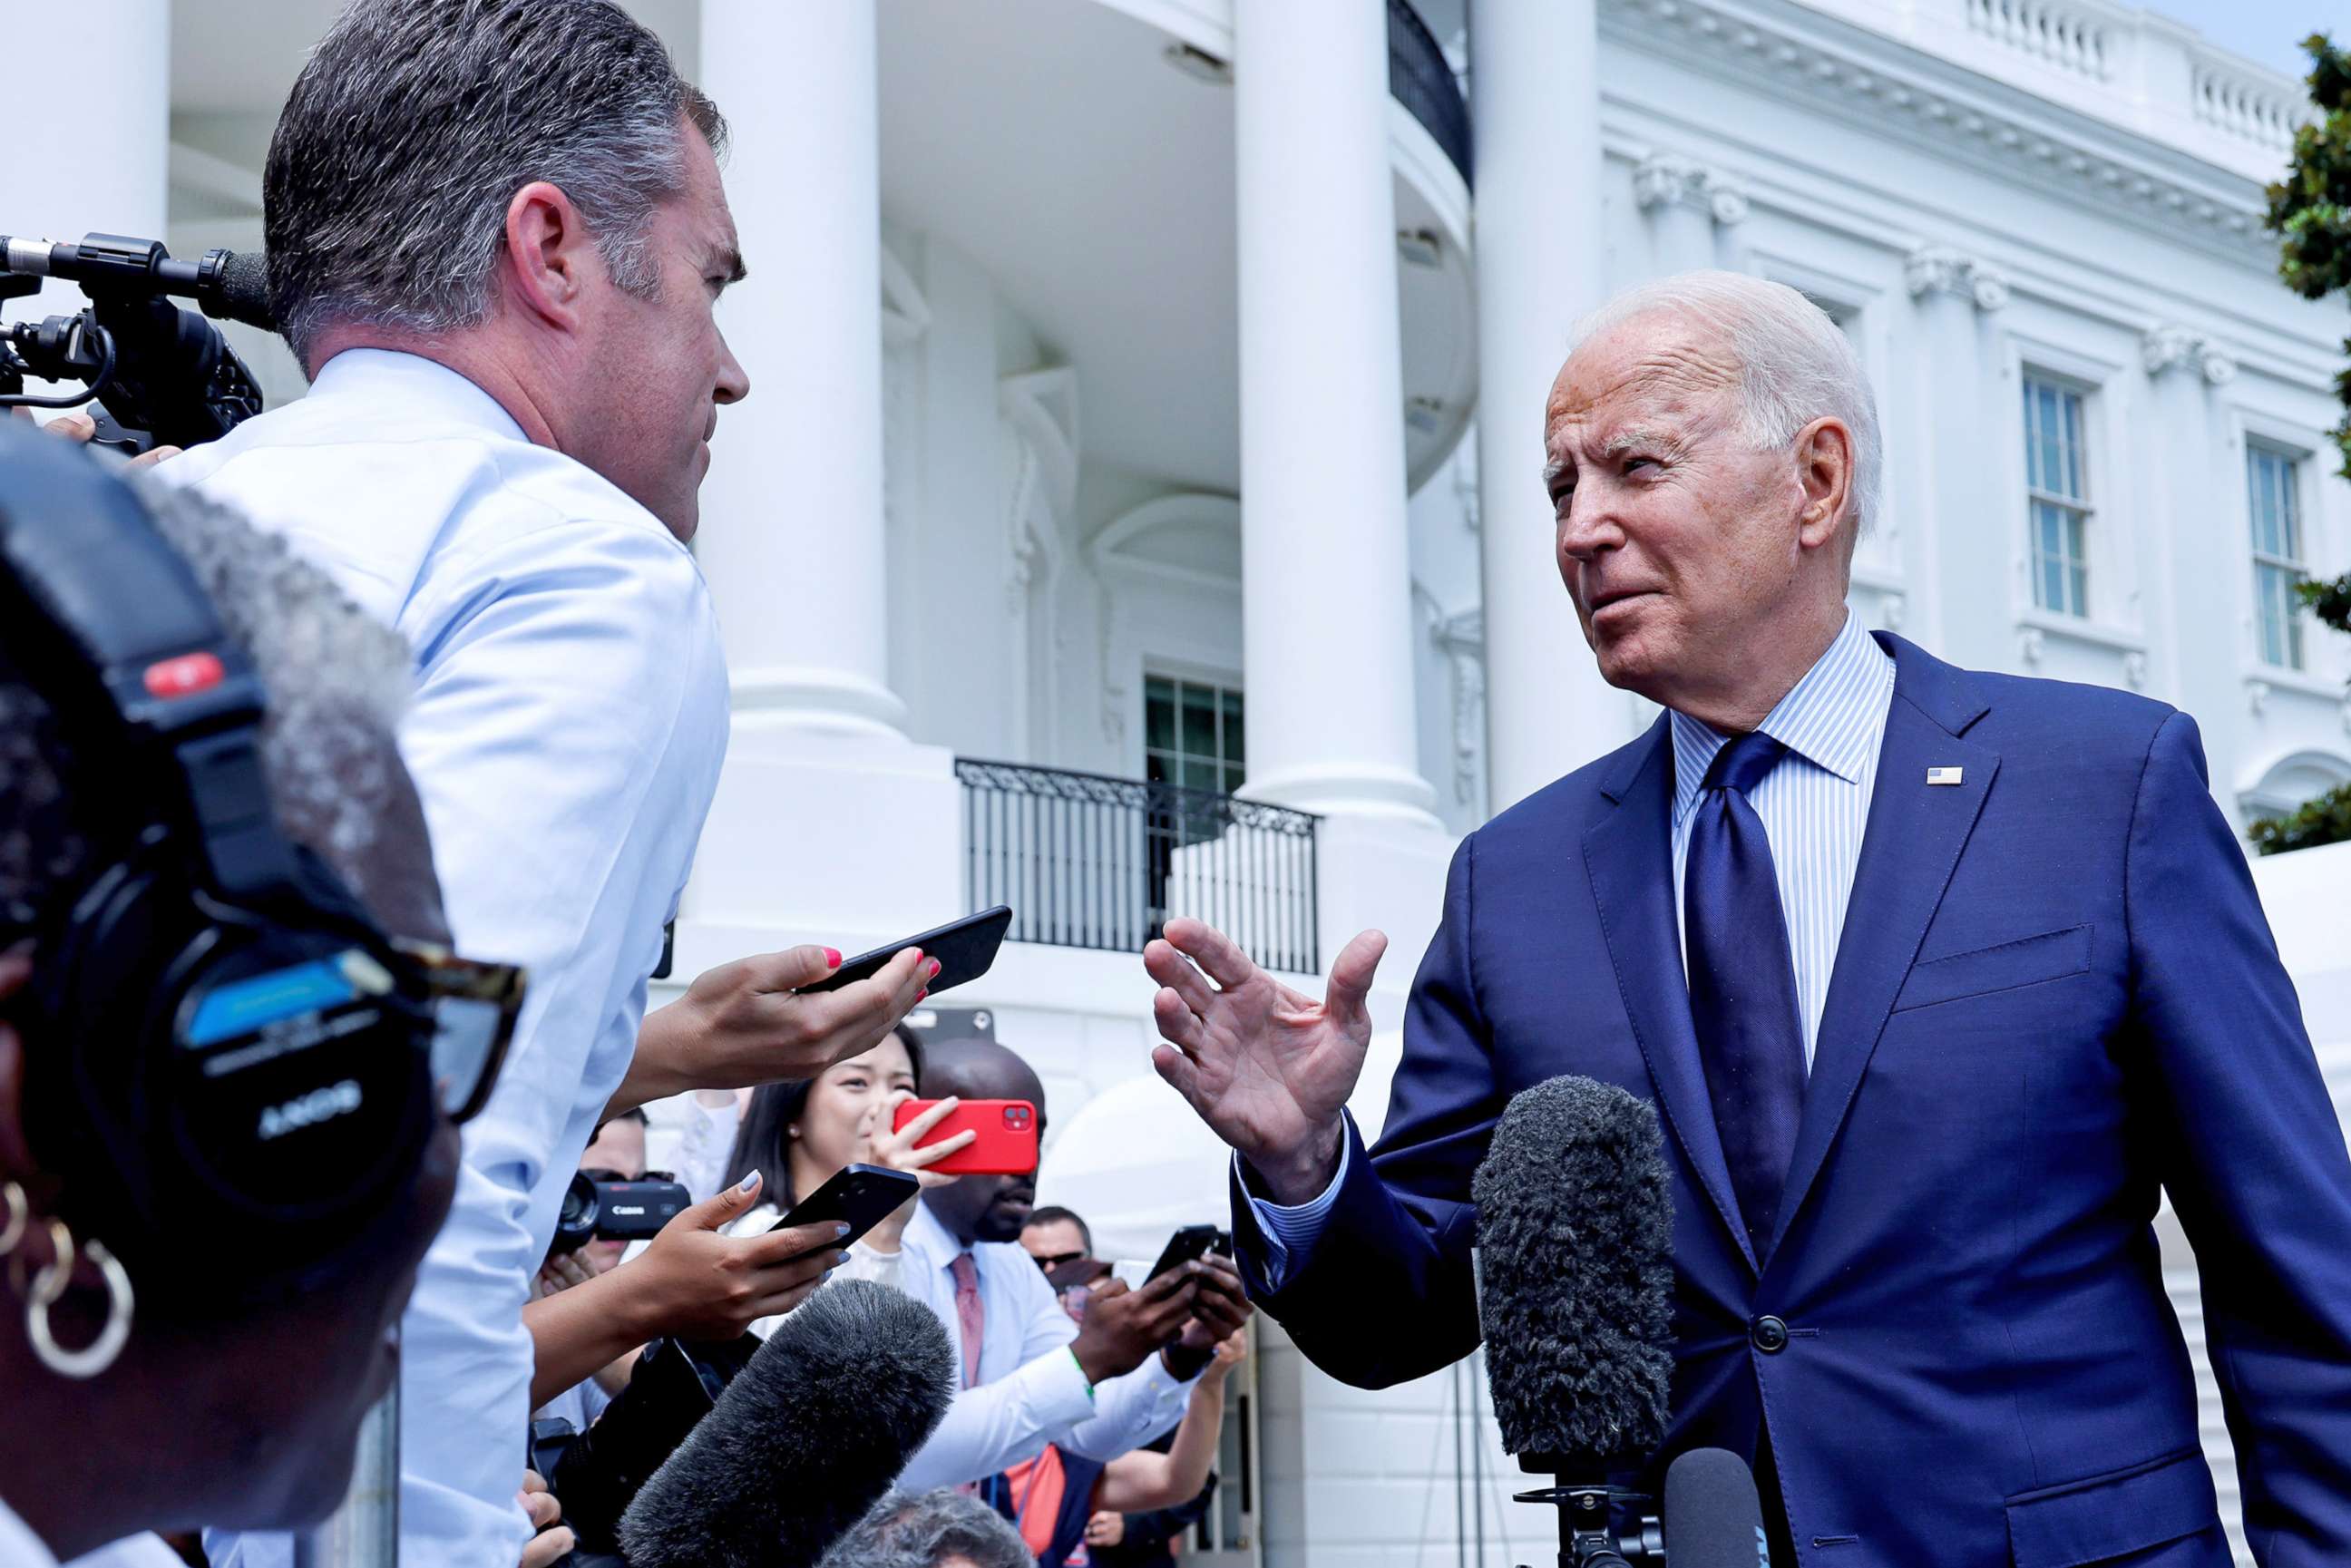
(1267, 1069)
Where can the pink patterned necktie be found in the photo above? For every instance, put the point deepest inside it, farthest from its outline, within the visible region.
(969, 1320)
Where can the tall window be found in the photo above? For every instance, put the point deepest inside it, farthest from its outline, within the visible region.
(2055, 469)
(1192, 734)
(1192, 737)
(2275, 503)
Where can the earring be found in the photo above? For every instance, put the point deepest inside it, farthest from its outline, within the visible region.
(20, 1214)
(49, 1288)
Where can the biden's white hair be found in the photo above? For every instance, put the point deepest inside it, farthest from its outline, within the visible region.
(1795, 365)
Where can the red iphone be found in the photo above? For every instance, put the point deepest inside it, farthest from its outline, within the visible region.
(1007, 1143)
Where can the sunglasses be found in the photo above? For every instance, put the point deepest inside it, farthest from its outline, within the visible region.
(1049, 1262)
(473, 1008)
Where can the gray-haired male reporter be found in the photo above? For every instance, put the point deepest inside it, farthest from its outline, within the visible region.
(497, 237)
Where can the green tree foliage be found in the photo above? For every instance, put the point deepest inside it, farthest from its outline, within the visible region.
(2310, 211)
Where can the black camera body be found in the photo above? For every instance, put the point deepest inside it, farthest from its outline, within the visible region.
(615, 1210)
(159, 375)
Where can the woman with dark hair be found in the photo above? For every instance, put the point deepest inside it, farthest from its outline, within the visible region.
(797, 1134)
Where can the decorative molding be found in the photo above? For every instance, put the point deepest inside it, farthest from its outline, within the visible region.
(2284, 781)
(2257, 696)
(2173, 346)
(1667, 179)
(1894, 609)
(906, 313)
(2134, 671)
(2031, 645)
(1940, 269)
(1795, 54)
(1465, 485)
(1107, 557)
(1461, 637)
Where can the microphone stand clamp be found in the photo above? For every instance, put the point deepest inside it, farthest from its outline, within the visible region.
(1585, 1540)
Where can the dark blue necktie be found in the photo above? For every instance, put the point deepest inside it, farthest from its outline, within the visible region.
(1742, 983)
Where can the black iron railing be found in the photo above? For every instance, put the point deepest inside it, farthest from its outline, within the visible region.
(1089, 861)
(1419, 80)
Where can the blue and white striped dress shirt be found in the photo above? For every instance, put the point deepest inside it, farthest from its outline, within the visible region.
(1815, 808)
(1814, 805)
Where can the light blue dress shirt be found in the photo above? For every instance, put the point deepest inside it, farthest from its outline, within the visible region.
(1030, 1391)
(570, 720)
(1814, 807)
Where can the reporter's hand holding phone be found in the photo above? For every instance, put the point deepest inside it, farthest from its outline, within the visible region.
(1123, 1328)
(753, 1021)
(901, 1148)
(1221, 1306)
(697, 1283)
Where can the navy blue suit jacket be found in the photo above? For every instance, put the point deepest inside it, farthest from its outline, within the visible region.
(2055, 993)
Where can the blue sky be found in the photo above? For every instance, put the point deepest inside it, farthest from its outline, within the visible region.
(2268, 31)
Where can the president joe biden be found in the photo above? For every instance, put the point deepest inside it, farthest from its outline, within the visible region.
(1939, 982)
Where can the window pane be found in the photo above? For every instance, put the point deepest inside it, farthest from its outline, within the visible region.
(2261, 481)
(1201, 775)
(2045, 419)
(2281, 615)
(1159, 713)
(1199, 720)
(2074, 486)
(2288, 510)
(2078, 605)
(1235, 751)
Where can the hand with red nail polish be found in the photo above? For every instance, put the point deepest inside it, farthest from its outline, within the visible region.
(748, 1023)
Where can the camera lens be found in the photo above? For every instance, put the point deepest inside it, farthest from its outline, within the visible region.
(575, 1222)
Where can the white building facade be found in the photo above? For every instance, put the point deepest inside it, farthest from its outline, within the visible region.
(1136, 509)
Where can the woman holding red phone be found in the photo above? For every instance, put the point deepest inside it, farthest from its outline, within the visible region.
(799, 1135)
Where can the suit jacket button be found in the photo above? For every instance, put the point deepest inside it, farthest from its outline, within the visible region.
(1771, 1335)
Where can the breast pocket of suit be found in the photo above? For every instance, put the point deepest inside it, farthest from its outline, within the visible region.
(2005, 967)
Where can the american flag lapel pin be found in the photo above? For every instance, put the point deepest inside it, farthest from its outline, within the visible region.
(1943, 775)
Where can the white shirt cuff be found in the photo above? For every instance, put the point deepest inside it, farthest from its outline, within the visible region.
(1056, 1389)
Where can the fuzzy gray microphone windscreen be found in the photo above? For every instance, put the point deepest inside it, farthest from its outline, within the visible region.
(806, 1439)
(1575, 1265)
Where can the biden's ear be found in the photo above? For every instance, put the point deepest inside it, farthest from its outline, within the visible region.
(1824, 469)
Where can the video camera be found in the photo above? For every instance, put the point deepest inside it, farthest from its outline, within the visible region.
(615, 1209)
(163, 376)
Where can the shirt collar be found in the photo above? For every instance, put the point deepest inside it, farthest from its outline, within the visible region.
(1828, 718)
(926, 1235)
(413, 379)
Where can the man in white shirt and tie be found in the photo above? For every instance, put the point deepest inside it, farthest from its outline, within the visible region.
(497, 236)
(1031, 1377)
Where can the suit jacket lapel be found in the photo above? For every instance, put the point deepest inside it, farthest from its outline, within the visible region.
(1629, 855)
(1915, 834)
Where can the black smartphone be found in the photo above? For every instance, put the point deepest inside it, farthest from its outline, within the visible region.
(863, 1195)
(1191, 1243)
(963, 948)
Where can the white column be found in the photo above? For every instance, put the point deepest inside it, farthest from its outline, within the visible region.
(89, 148)
(829, 825)
(1326, 589)
(1687, 204)
(1535, 101)
(1972, 419)
(2193, 549)
(791, 535)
